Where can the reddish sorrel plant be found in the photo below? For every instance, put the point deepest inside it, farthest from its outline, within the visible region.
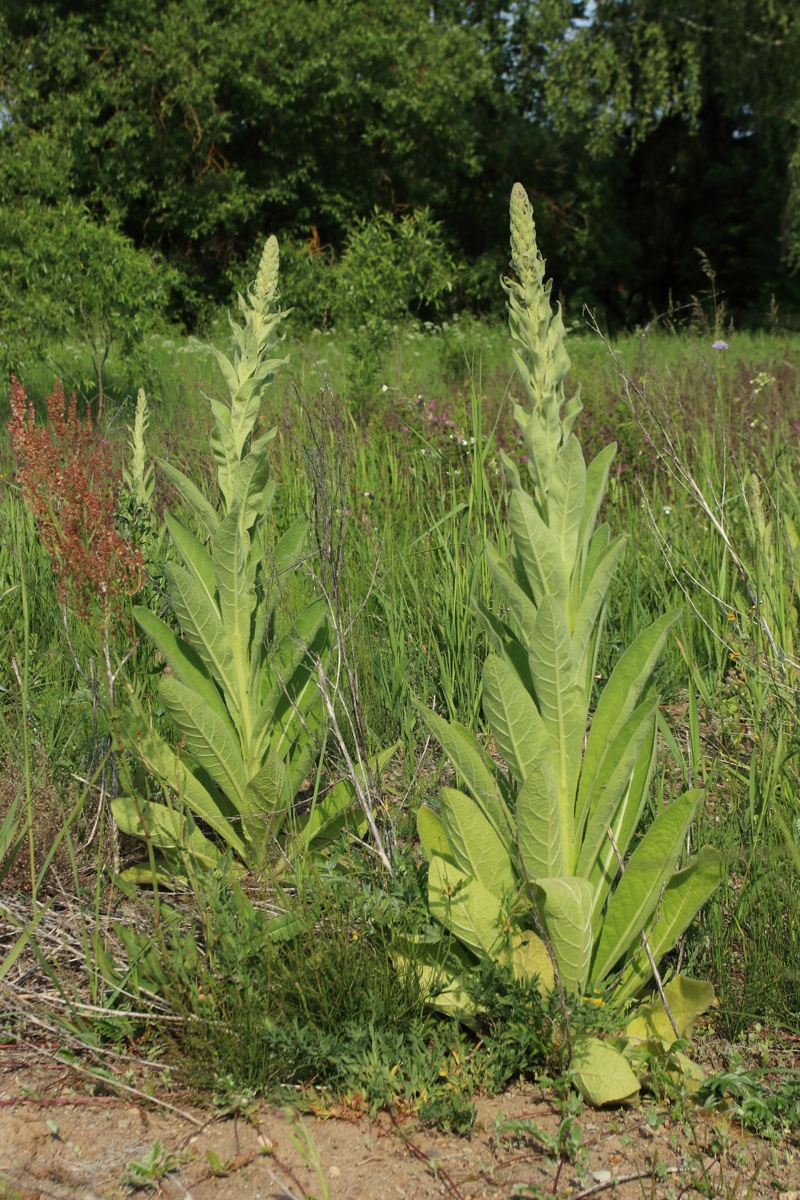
(67, 478)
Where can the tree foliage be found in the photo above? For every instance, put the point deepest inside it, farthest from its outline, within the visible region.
(639, 130)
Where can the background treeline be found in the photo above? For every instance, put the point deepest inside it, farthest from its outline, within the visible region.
(146, 146)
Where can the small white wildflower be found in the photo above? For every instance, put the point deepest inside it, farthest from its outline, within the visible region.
(385, 387)
(667, 510)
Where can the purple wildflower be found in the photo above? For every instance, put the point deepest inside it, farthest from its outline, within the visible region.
(719, 346)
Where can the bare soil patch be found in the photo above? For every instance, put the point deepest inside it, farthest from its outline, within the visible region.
(63, 1135)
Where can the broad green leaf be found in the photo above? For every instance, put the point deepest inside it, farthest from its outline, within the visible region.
(440, 969)
(166, 828)
(521, 607)
(209, 739)
(287, 552)
(161, 760)
(183, 659)
(629, 815)
(639, 890)
(513, 717)
(688, 999)
(620, 697)
(538, 548)
(432, 835)
(601, 1074)
(566, 502)
(195, 556)
(236, 600)
(684, 896)
(201, 623)
(263, 791)
(287, 670)
(539, 824)
(252, 489)
(226, 454)
(529, 959)
(336, 811)
(567, 913)
(592, 604)
(193, 497)
(474, 846)
(475, 768)
(611, 786)
(462, 905)
(596, 481)
(562, 705)
(505, 644)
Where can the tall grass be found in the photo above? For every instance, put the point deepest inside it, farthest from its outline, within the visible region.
(424, 496)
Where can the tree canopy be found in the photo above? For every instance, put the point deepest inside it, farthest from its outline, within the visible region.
(192, 128)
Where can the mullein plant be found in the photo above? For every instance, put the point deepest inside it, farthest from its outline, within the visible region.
(244, 702)
(530, 864)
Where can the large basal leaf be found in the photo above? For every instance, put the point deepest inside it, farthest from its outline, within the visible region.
(567, 911)
(513, 717)
(201, 623)
(620, 696)
(562, 705)
(215, 809)
(566, 501)
(539, 824)
(475, 768)
(432, 835)
(611, 789)
(263, 792)
(440, 971)
(684, 896)
(236, 601)
(464, 906)
(166, 828)
(182, 659)
(530, 960)
(474, 846)
(601, 1074)
(209, 739)
(538, 548)
(688, 999)
(638, 891)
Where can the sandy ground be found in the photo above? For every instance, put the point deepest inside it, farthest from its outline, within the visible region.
(62, 1135)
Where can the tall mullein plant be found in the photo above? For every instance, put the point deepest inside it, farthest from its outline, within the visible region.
(544, 843)
(245, 704)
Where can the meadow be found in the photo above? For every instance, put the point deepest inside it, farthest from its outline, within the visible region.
(291, 943)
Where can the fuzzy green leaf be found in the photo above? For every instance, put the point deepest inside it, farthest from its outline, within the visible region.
(192, 496)
(602, 1075)
(684, 896)
(476, 770)
(513, 717)
(639, 890)
(567, 913)
(566, 502)
(474, 846)
(462, 905)
(539, 825)
(211, 741)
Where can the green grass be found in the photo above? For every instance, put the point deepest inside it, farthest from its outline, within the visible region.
(419, 450)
